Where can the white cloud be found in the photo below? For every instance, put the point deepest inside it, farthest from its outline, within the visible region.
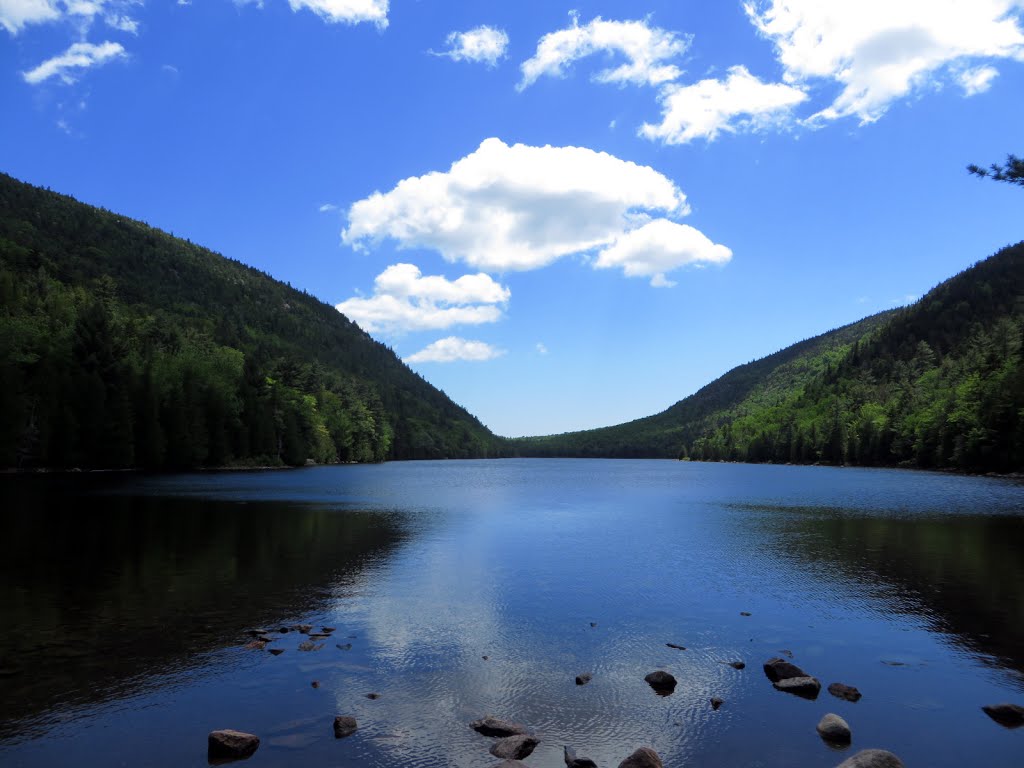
(452, 348)
(405, 300)
(346, 11)
(541, 348)
(122, 23)
(16, 14)
(79, 56)
(977, 80)
(741, 102)
(482, 44)
(516, 207)
(879, 51)
(646, 49)
(327, 208)
(659, 247)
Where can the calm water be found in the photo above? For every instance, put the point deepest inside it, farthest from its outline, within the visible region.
(125, 604)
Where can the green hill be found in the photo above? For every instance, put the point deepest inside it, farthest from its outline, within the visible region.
(939, 384)
(122, 346)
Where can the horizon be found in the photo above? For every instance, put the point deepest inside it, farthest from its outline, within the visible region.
(626, 243)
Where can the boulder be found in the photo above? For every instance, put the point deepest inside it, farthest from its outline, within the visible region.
(572, 761)
(716, 703)
(514, 747)
(1009, 715)
(779, 669)
(661, 681)
(645, 757)
(736, 664)
(583, 679)
(309, 645)
(808, 687)
(847, 692)
(872, 758)
(344, 726)
(492, 726)
(832, 728)
(231, 745)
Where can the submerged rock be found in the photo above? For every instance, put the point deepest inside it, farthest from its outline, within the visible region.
(373, 696)
(572, 761)
(344, 726)
(309, 645)
(834, 729)
(231, 745)
(841, 691)
(277, 651)
(583, 679)
(872, 758)
(514, 747)
(493, 726)
(1009, 715)
(661, 681)
(808, 687)
(677, 647)
(779, 669)
(645, 757)
(745, 613)
(736, 664)
(345, 647)
(510, 764)
(716, 703)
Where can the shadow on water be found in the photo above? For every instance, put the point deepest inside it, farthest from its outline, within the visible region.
(961, 573)
(131, 587)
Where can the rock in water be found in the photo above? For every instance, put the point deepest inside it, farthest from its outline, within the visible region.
(231, 745)
(572, 761)
(510, 764)
(344, 726)
(345, 647)
(872, 758)
(492, 726)
(807, 687)
(277, 651)
(847, 692)
(736, 664)
(645, 757)
(373, 696)
(779, 669)
(1010, 715)
(716, 703)
(514, 747)
(583, 679)
(834, 729)
(309, 645)
(661, 681)
(677, 647)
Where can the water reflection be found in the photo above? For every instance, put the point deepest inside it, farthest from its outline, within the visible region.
(124, 588)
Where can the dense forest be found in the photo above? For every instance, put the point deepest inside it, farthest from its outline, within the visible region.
(122, 346)
(939, 384)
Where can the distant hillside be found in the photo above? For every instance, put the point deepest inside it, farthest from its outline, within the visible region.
(665, 434)
(939, 384)
(122, 346)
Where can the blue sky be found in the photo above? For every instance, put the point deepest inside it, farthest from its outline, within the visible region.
(563, 215)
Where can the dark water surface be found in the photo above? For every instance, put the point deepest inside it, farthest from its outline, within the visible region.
(125, 602)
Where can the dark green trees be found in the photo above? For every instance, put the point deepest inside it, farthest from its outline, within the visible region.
(1011, 172)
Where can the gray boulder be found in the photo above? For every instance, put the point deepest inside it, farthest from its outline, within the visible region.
(1009, 715)
(344, 726)
(661, 681)
(231, 745)
(514, 747)
(779, 669)
(847, 692)
(834, 729)
(808, 687)
(645, 757)
(492, 726)
(872, 758)
(572, 761)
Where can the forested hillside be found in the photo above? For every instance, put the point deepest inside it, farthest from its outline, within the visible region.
(122, 346)
(939, 384)
(764, 381)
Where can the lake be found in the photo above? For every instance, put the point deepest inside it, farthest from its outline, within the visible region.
(464, 588)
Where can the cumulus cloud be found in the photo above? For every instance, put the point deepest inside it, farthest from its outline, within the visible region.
(879, 51)
(16, 14)
(977, 79)
(404, 300)
(122, 23)
(516, 207)
(483, 44)
(646, 49)
(327, 208)
(541, 348)
(79, 57)
(346, 11)
(740, 102)
(452, 348)
(659, 247)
